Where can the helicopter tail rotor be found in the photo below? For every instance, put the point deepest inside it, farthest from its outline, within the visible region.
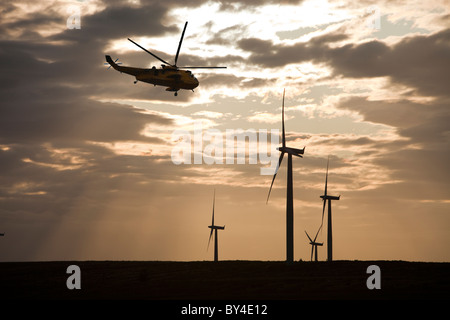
(110, 63)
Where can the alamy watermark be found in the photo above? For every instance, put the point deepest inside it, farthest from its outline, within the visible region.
(374, 280)
(74, 280)
(212, 146)
(374, 20)
(74, 19)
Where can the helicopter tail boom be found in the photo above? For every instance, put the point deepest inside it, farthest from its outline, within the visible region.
(128, 70)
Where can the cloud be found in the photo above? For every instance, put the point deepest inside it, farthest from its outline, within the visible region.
(264, 117)
(77, 119)
(74, 162)
(416, 61)
(421, 158)
(237, 5)
(229, 80)
(424, 123)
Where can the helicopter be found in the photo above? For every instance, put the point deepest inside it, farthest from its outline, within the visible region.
(169, 75)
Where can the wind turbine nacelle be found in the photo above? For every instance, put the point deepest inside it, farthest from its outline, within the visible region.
(216, 227)
(326, 197)
(293, 151)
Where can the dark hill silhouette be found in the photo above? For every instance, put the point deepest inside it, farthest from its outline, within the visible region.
(236, 280)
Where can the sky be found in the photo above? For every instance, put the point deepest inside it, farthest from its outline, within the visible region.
(87, 157)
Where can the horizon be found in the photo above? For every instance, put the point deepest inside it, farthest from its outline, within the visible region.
(213, 262)
(87, 162)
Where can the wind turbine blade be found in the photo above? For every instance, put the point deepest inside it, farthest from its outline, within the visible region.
(276, 171)
(316, 235)
(210, 236)
(154, 55)
(308, 236)
(201, 67)
(179, 44)
(282, 120)
(323, 213)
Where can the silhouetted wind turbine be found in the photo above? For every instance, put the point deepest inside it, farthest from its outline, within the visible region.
(214, 228)
(314, 245)
(326, 197)
(289, 192)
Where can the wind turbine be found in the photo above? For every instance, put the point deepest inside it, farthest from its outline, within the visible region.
(314, 245)
(289, 192)
(214, 228)
(326, 197)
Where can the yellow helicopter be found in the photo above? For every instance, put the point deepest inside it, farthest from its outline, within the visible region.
(169, 75)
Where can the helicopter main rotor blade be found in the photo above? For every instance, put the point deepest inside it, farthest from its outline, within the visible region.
(154, 55)
(179, 44)
(202, 67)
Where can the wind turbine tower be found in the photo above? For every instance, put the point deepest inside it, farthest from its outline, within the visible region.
(289, 190)
(214, 229)
(326, 197)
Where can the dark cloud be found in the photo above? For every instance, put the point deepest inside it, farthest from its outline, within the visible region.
(257, 46)
(81, 119)
(348, 141)
(425, 123)
(421, 160)
(419, 62)
(121, 22)
(423, 173)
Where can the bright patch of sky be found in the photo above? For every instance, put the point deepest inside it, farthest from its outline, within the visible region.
(312, 95)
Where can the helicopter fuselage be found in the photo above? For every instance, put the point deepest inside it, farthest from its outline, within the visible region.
(169, 77)
(172, 78)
